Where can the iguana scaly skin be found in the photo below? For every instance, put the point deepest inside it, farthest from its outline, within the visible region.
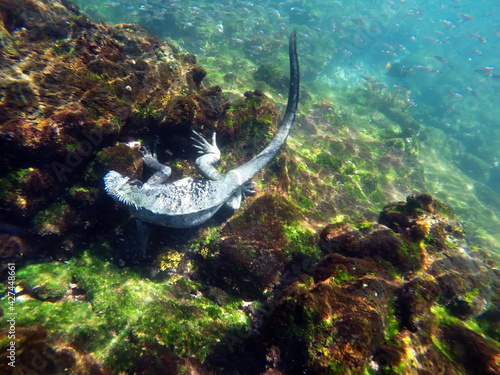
(192, 201)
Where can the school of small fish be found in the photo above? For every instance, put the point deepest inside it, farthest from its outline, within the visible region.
(403, 45)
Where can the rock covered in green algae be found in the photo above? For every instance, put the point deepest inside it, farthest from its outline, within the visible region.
(100, 319)
(121, 158)
(250, 254)
(372, 306)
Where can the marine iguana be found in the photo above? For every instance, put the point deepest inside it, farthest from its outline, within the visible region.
(191, 201)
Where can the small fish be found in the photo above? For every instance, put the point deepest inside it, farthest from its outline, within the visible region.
(345, 51)
(432, 40)
(411, 102)
(358, 21)
(390, 53)
(443, 60)
(448, 24)
(422, 67)
(254, 49)
(465, 16)
(472, 92)
(158, 16)
(369, 79)
(358, 39)
(297, 10)
(387, 46)
(455, 95)
(485, 71)
(478, 37)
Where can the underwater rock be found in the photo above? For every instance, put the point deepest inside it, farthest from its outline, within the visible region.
(464, 283)
(36, 354)
(371, 302)
(57, 219)
(272, 75)
(196, 75)
(376, 241)
(25, 191)
(13, 247)
(251, 124)
(158, 359)
(204, 107)
(249, 256)
(121, 158)
(475, 353)
(17, 94)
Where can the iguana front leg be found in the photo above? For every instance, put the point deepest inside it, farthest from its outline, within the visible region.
(211, 156)
(133, 248)
(162, 171)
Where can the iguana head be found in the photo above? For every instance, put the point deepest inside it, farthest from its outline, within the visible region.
(121, 187)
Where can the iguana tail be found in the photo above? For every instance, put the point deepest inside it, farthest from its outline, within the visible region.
(251, 168)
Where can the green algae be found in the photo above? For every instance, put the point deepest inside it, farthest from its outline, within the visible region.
(10, 183)
(364, 225)
(52, 220)
(120, 304)
(412, 254)
(300, 240)
(442, 346)
(40, 277)
(63, 47)
(201, 244)
(342, 277)
(273, 75)
(445, 318)
(392, 326)
(481, 326)
(78, 189)
(72, 146)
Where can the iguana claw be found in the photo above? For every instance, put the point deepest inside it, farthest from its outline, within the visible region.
(203, 146)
